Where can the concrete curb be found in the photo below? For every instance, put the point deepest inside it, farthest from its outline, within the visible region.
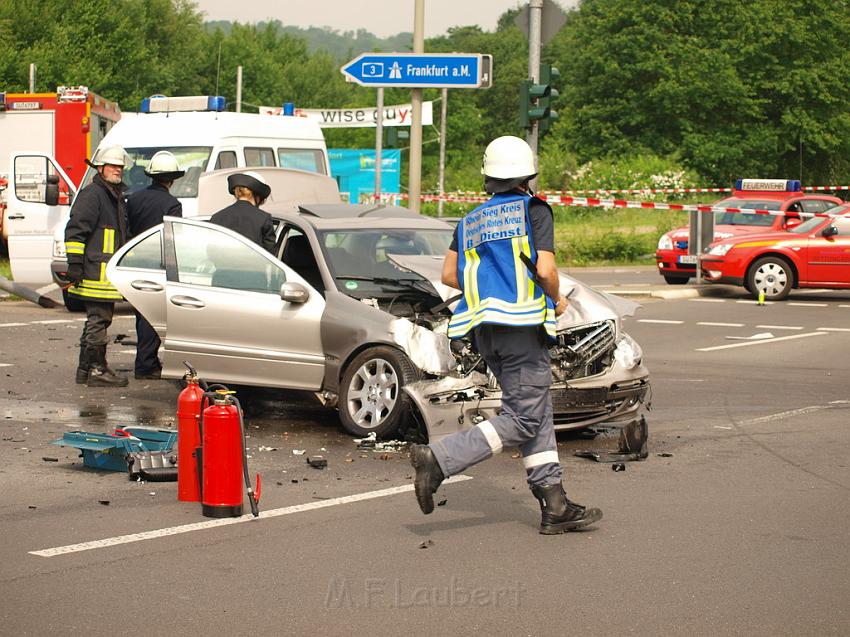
(669, 292)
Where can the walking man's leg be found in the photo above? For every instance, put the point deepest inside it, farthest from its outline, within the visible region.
(98, 320)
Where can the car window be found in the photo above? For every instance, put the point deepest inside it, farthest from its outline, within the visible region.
(259, 157)
(207, 256)
(746, 218)
(814, 205)
(301, 159)
(147, 254)
(191, 159)
(226, 159)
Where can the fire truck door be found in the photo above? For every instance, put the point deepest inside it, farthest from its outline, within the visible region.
(31, 216)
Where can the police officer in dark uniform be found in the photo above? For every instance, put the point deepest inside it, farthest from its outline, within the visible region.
(96, 229)
(512, 321)
(145, 209)
(245, 216)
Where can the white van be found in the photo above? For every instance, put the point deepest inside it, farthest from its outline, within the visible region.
(204, 138)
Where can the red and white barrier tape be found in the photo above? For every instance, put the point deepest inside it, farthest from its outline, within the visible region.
(591, 202)
(465, 194)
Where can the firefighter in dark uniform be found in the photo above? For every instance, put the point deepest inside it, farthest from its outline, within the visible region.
(145, 209)
(245, 216)
(96, 229)
(512, 321)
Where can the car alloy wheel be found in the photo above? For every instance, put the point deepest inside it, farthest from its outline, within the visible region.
(372, 398)
(773, 276)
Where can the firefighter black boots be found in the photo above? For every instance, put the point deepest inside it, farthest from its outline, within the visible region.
(428, 478)
(83, 366)
(100, 374)
(559, 514)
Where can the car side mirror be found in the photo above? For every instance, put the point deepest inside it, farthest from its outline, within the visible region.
(829, 231)
(792, 222)
(51, 190)
(292, 292)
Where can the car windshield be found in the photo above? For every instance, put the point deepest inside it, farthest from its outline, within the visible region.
(744, 218)
(359, 259)
(807, 226)
(192, 159)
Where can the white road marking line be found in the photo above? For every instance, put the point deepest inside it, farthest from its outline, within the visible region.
(13, 324)
(53, 321)
(808, 304)
(833, 329)
(660, 321)
(759, 342)
(780, 327)
(47, 288)
(754, 302)
(707, 300)
(844, 305)
(5, 364)
(787, 414)
(709, 324)
(199, 526)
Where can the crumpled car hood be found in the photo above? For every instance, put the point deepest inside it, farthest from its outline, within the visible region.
(586, 304)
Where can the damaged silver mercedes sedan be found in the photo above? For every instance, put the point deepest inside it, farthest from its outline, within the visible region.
(350, 307)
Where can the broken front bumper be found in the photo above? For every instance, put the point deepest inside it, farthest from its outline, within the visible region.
(448, 404)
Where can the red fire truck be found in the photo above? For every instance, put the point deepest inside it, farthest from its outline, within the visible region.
(66, 125)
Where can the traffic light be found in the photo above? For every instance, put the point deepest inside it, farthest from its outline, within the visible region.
(535, 99)
(549, 76)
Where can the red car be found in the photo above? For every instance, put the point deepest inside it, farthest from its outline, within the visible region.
(814, 254)
(677, 266)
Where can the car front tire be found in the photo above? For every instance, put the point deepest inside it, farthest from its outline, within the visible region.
(772, 275)
(675, 280)
(371, 394)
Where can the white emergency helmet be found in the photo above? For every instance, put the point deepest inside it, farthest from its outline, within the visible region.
(164, 166)
(508, 157)
(111, 156)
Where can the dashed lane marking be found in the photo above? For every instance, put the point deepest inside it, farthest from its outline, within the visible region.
(745, 302)
(200, 526)
(833, 329)
(5, 364)
(808, 304)
(13, 324)
(793, 412)
(51, 322)
(709, 324)
(780, 327)
(707, 300)
(759, 342)
(662, 321)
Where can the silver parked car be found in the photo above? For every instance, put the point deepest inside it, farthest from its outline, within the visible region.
(351, 308)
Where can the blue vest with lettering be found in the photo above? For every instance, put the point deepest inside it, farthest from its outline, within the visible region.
(497, 286)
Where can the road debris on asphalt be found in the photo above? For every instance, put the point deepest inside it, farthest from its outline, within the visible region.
(299, 452)
(317, 462)
(618, 466)
(426, 544)
(631, 446)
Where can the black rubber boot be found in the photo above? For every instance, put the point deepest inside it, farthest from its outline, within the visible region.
(100, 374)
(83, 367)
(428, 478)
(559, 514)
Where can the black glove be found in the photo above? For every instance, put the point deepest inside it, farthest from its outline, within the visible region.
(75, 273)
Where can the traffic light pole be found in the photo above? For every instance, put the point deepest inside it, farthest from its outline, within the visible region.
(415, 175)
(535, 11)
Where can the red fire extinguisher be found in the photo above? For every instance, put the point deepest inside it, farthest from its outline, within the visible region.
(224, 457)
(188, 438)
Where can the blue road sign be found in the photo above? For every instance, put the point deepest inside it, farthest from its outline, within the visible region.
(421, 70)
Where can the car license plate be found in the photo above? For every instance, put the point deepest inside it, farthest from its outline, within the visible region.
(565, 398)
(692, 259)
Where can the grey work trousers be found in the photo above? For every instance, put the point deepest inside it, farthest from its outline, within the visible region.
(98, 319)
(519, 358)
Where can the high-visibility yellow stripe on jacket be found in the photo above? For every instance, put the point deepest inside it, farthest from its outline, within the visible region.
(497, 287)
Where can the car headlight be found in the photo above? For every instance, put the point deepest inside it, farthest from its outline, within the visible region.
(719, 249)
(59, 249)
(628, 353)
(665, 243)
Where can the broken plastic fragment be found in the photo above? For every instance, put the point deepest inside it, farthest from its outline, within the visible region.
(317, 462)
(299, 452)
(618, 466)
(426, 544)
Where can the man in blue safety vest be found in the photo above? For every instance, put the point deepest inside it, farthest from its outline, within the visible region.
(511, 319)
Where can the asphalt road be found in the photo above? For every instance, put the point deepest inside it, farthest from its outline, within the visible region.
(739, 529)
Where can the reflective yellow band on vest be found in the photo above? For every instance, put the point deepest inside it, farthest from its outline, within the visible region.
(74, 247)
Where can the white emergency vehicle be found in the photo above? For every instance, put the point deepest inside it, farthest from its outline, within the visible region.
(203, 137)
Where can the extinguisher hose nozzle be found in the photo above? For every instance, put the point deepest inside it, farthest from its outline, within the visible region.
(255, 509)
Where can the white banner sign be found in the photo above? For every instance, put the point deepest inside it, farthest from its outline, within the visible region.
(400, 115)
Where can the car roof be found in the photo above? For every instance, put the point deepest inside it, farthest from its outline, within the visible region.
(363, 216)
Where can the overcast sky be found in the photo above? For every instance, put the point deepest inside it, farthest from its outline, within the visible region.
(381, 17)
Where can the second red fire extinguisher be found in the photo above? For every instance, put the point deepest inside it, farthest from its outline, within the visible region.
(188, 438)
